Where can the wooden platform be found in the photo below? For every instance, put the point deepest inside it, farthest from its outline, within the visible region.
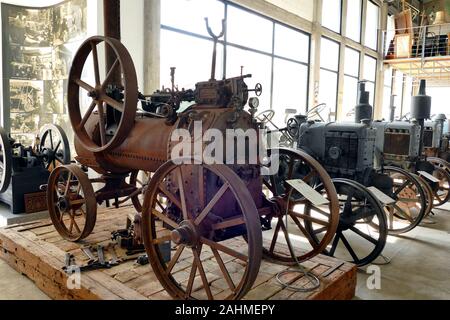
(37, 251)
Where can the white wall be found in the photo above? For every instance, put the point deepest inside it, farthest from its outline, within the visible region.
(302, 8)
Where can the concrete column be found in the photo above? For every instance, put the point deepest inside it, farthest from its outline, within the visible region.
(152, 44)
(379, 93)
(314, 68)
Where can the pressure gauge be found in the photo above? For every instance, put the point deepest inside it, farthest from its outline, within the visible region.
(253, 103)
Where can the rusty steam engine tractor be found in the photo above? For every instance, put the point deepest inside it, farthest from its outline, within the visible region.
(215, 212)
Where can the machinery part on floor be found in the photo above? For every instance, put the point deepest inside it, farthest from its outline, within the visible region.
(101, 94)
(301, 270)
(5, 161)
(54, 146)
(296, 164)
(71, 202)
(361, 217)
(411, 201)
(228, 210)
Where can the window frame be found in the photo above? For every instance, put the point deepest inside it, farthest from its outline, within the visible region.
(337, 72)
(226, 43)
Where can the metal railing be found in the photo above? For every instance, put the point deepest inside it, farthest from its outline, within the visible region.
(417, 42)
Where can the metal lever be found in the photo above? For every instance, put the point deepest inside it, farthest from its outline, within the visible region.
(216, 39)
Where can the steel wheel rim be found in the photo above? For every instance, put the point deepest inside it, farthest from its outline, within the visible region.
(364, 198)
(5, 161)
(127, 108)
(58, 149)
(444, 186)
(330, 224)
(250, 218)
(392, 211)
(74, 200)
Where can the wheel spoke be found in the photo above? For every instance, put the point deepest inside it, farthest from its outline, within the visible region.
(212, 203)
(402, 187)
(88, 114)
(196, 252)
(111, 102)
(165, 219)
(349, 248)
(309, 176)
(175, 259)
(335, 243)
(102, 128)
(303, 230)
(224, 269)
(51, 139)
(403, 213)
(110, 73)
(96, 67)
(182, 194)
(363, 235)
(191, 280)
(66, 192)
(84, 85)
(218, 246)
(309, 218)
(275, 236)
(170, 196)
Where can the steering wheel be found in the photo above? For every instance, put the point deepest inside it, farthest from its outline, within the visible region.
(316, 111)
(293, 128)
(266, 116)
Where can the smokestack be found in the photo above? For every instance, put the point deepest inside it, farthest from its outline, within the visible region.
(421, 110)
(363, 111)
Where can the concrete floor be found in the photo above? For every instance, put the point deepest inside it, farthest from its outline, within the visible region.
(419, 269)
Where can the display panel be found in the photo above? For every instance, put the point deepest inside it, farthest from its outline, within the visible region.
(38, 46)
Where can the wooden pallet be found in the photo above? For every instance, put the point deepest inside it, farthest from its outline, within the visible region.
(37, 251)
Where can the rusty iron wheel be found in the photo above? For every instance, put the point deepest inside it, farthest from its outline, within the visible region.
(204, 225)
(71, 203)
(441, 163)
(99, 97)
(361, 218)
(5, 161)
(429, 194)
(411, 202)
(296, 164)
(442, 193)
(55, 147)
(140, 179)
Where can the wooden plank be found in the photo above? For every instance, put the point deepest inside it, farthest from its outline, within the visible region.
(38, 252)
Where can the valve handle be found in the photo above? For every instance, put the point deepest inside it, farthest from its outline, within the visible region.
(258, 90)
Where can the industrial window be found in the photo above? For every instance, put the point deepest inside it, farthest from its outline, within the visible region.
(370, 75)
(354, 20)
(351, 78)
(329, 70)
(331, 15)
(372, 24)
(276, 55)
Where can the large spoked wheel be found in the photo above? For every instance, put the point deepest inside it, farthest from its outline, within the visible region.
(5, 161)
(296, 164)
(362, 231)
(107, 138)
(71, 203)
(206, 210)
(442, 191)
(410, 205)
(54, 145)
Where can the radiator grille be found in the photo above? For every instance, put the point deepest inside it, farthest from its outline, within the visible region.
(397, 143)
(348, 144)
